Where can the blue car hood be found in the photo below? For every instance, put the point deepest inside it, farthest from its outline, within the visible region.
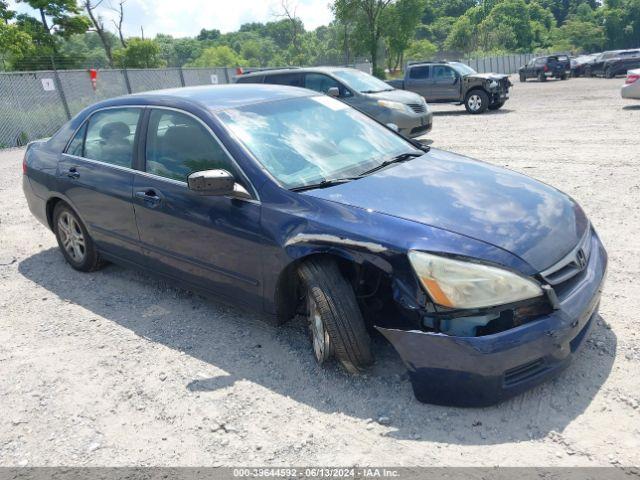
(511, 211)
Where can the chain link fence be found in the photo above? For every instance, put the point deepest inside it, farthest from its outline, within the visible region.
(35, 104)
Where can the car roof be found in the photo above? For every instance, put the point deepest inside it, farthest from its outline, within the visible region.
(279, 71)
(213, 97)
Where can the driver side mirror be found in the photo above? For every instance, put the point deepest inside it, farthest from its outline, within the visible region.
(333, 92)
(211, 182)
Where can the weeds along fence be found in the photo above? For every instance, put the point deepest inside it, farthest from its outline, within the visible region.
(36, 104)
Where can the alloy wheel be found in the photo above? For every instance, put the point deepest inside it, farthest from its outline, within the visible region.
(475, 102)
(71, 236)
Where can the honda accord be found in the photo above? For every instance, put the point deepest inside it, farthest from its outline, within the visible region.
(293, 203)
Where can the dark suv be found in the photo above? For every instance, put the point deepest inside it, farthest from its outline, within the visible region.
(551, 66)
(619, 65)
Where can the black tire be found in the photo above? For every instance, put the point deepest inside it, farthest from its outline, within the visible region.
(588, 72)
(88, 260)
(542, 77)
(608, 73)
(563, 77)
(339, 311)
(523, 78)
(472, 99)
(496, 106)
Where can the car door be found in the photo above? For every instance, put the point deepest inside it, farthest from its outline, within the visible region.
(211, 242)
(419, 81)
(529, 69)
(445, 83)
(96, 174)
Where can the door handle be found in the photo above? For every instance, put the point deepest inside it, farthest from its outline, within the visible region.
(150, 198)
(73, 173)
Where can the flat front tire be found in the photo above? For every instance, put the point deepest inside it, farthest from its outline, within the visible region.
(476, 101)
(335, 322)
(73, 239)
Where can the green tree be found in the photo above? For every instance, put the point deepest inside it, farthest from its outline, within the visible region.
(462, 36)
(220, 56)
(420, 50)
(61, 17)
(400, 21)
(366, 17)
(139, 53)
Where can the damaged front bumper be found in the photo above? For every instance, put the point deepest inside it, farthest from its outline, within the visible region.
(484, 370)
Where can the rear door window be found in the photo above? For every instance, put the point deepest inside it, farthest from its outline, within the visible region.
(76, 146)
(110, 136)
(419, 73)
(291, 79)
(178, 145)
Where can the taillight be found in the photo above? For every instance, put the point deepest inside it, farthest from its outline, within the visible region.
(24, 164)
(632, 78)
(545, 68)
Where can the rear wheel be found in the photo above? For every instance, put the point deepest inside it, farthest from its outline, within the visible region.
(476, 101)
(74, 241)
(542, 77)
(335, 321)
(563, 77)
(496, 106)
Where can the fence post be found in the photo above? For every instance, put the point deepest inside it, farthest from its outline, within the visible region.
(126, 80)
(226, 75)
(181, 76)
(63, 97)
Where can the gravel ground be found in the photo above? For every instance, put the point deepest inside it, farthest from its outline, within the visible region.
(119, 368)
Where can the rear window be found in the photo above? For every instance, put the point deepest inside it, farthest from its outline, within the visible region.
(291, 79)
(252, 79)
(419, 73)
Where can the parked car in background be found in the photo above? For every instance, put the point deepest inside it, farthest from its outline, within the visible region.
(404, 110)
(578, 64)
(596, 66)
(292, 203)
(621, 64)
(631, 87)
(455, 82)
(542, 68)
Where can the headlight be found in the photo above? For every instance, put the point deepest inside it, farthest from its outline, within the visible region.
(458, 284)
(394, 105)
(493, 84)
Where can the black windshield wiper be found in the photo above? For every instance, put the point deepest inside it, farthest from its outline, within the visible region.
(323, 184)
(403, 157)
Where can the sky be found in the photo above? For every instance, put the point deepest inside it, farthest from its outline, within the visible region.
(182, 18)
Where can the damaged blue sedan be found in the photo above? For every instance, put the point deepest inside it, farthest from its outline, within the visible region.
(484, 280)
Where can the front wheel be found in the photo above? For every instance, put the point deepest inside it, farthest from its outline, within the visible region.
(563, 77)
(335, 321)
(608, 73)
(476, 101)
(523, 78)
(496, 106)
(74, 241)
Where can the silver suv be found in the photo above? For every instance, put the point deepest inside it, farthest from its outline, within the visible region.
(407, 111)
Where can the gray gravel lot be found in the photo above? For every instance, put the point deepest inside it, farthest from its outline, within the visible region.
(120, 368)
